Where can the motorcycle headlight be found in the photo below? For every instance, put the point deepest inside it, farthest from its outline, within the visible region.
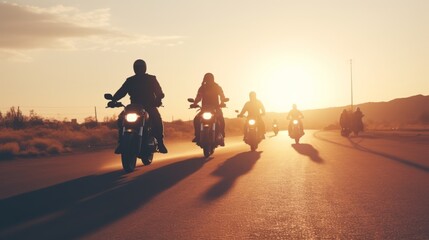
(207, 115)
(252, 122)
(295, 121)
(131, 117)
(275, 125)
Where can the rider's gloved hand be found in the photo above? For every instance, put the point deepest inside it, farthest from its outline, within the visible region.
(158, 102)
(111, 104)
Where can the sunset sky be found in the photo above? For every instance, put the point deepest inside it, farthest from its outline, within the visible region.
(60, 57)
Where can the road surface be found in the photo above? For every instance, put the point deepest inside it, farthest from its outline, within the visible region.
(369, 187)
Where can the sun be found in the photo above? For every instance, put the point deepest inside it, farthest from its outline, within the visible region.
(288, 85)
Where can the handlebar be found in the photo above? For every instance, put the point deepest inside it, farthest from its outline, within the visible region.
(222, 105)
(114, 104)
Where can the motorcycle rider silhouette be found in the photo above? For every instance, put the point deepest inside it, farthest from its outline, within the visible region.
(209, 94)
(295, 114)
(255, 109)
(144, 89)
(345, 119)
(345, 123)
(357, 121)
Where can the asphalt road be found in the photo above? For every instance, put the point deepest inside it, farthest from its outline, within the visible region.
(370, 187)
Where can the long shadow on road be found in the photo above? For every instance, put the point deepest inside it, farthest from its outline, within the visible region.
(358, 147)
(230, 170)
(73, 209)
(308, 150)
(390, 157)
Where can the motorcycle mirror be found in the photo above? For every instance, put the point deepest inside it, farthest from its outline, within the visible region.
(191, 100)
(226, 100)
(108, 96)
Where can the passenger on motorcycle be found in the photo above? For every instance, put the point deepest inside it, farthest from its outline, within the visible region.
(357, 118)
(295, 114)
(209, 94)
(144, 89)
(255, 109)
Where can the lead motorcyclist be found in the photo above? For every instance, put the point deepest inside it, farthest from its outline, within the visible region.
(255, 109)
(209, 93)
(295, 114)
(144, 89)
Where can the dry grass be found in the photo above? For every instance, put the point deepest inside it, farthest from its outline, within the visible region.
(42, 141)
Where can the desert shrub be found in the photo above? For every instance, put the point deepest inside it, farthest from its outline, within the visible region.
(8, 150)
(41, 146)
(179, 130)
(7, 136)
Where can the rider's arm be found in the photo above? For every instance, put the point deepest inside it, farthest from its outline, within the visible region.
(157, 89)
(262, 108)
(121, 92)
(199, 96)
(244, 110)
(221, 94)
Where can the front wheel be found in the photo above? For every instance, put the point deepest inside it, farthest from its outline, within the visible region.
(128, 155)
(207, 151)
(128, 161)
(253, 147)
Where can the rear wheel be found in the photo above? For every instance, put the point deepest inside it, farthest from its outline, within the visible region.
(147, 159)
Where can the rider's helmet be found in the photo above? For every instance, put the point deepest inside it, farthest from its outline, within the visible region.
(139, 66)
(208, 78)
(252, 95)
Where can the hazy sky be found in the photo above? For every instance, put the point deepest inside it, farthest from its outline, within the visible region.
(60, 57)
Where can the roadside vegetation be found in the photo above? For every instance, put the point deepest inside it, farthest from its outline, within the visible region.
(32, 135)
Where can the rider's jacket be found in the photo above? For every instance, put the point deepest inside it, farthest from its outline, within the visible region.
(143, 89)
(210, 94)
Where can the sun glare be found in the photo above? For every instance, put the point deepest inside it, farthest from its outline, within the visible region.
(286, 86)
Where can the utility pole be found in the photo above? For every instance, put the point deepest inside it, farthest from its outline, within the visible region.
(351, 83)
(96, 119)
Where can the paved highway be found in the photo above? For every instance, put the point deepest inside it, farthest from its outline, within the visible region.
(370, 187)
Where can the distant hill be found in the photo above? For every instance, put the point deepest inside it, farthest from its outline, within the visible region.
(410, 112)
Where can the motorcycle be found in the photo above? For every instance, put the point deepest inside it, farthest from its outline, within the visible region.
(345, 131)
(295, 131)
(357, 126)
(135, 137)
(252, 135)
(354, 125)
(209, 138)
(275, 129)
